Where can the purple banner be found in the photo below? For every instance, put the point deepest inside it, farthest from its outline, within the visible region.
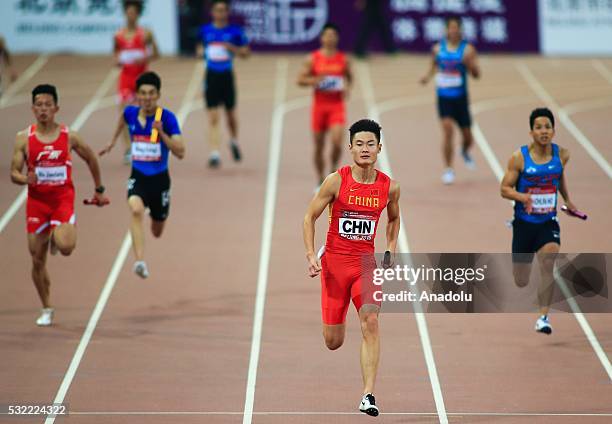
(294, 25)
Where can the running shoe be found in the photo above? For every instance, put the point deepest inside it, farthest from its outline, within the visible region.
(214, 160)
(140, 269)
(127, 156)
(46, 317)
(368, 405)
(543, 325)
(467, 160)
(448, 177)
(236, 153)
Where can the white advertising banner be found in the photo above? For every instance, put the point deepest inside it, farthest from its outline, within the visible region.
(80, 26)
(575, 27)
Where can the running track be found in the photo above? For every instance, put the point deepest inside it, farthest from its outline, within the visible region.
(227, 328)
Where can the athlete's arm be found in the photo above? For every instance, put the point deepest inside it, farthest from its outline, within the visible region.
(6, 55)
(116, 51)
(118, 131)
(306, 78)
(470, 59)
(241, 51)
(432, 66)
(508, 184)
(326, 194)
(19, 159)
(393, 216)
(348, 76)
(174, 142)
(563, 190)
(150, 41)
(87, 154)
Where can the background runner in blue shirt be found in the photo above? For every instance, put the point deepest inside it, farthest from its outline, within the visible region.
(218, 43)
(154, 133)
(452, 59)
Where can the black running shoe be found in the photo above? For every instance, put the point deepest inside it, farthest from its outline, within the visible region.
(236, 151)
(368, 405)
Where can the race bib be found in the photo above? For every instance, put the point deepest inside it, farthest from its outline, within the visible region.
(146, 152)
(217, 52)
(448, 80)
(331, 83)
(129, 57)
(51, 174)
(356, 229)
(543, 199)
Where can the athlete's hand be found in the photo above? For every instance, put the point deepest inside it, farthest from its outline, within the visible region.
(32, 179)
(159, 126)
(388, 260)
(101, 199)
(106, 150)
(314, 267)
(570, 208)
(527, 203)
(424, 80)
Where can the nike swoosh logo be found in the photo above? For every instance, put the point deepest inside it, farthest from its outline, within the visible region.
(353, 189)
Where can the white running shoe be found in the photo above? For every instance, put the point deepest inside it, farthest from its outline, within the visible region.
(140, 269)
(543, 325)
(468, 161)
(448, 177)
(214, 159)
(368, 405)
(46, 317)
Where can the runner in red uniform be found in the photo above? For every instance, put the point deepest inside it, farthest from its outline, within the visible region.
(356, 196)
(329, 71)
(45, 148)
(134, 48)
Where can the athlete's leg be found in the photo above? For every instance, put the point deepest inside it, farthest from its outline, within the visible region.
(336, 135)
(214, 136)
(157, 228)
(38, 245)
(521, 272)
(370, 345)
(64, 237)
(319, 161)
(447, 141)
(547, 255)
(468, 138)
(232, 122)
(137, 209)
(334, 335)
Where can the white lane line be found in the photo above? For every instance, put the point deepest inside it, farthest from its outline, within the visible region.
(374, 113)
(564, 117)
(331, 413)
(23, 79)
(274, 158)
(602, 69)
(76, 125)
(110, 282)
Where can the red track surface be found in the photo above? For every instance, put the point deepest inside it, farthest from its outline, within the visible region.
(180, 342)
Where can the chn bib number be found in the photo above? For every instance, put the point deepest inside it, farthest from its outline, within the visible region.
(331, 83)
(356, 227)
(51, 174)
(146, 151)
(129, 57)
(543, 199)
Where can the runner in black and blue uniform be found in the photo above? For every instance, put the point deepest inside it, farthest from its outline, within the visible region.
(218, 43)
(534, 176)
(154, 134)
(452, 59)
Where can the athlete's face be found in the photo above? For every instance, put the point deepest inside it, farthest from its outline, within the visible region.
(147, 96)
(44, 108)
(543, 131)
(453, 31)
(329, 38)
(365, 148)
(132, 14)
(220, 12)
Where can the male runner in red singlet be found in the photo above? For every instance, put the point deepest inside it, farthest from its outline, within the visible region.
(356, 196)
(134, 48)
(328, 71)
(45, 148)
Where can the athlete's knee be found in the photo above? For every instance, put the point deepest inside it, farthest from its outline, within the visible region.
(157, 229)
(333, 341)
(369, 323)
(521, 278)
(137, 210)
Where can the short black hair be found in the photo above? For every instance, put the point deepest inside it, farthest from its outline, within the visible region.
(541, 112)
(149, 78)
(215, 2)
(452, 18)
(45, 89)
(330, 25)
(138, 4)
(367, 125)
